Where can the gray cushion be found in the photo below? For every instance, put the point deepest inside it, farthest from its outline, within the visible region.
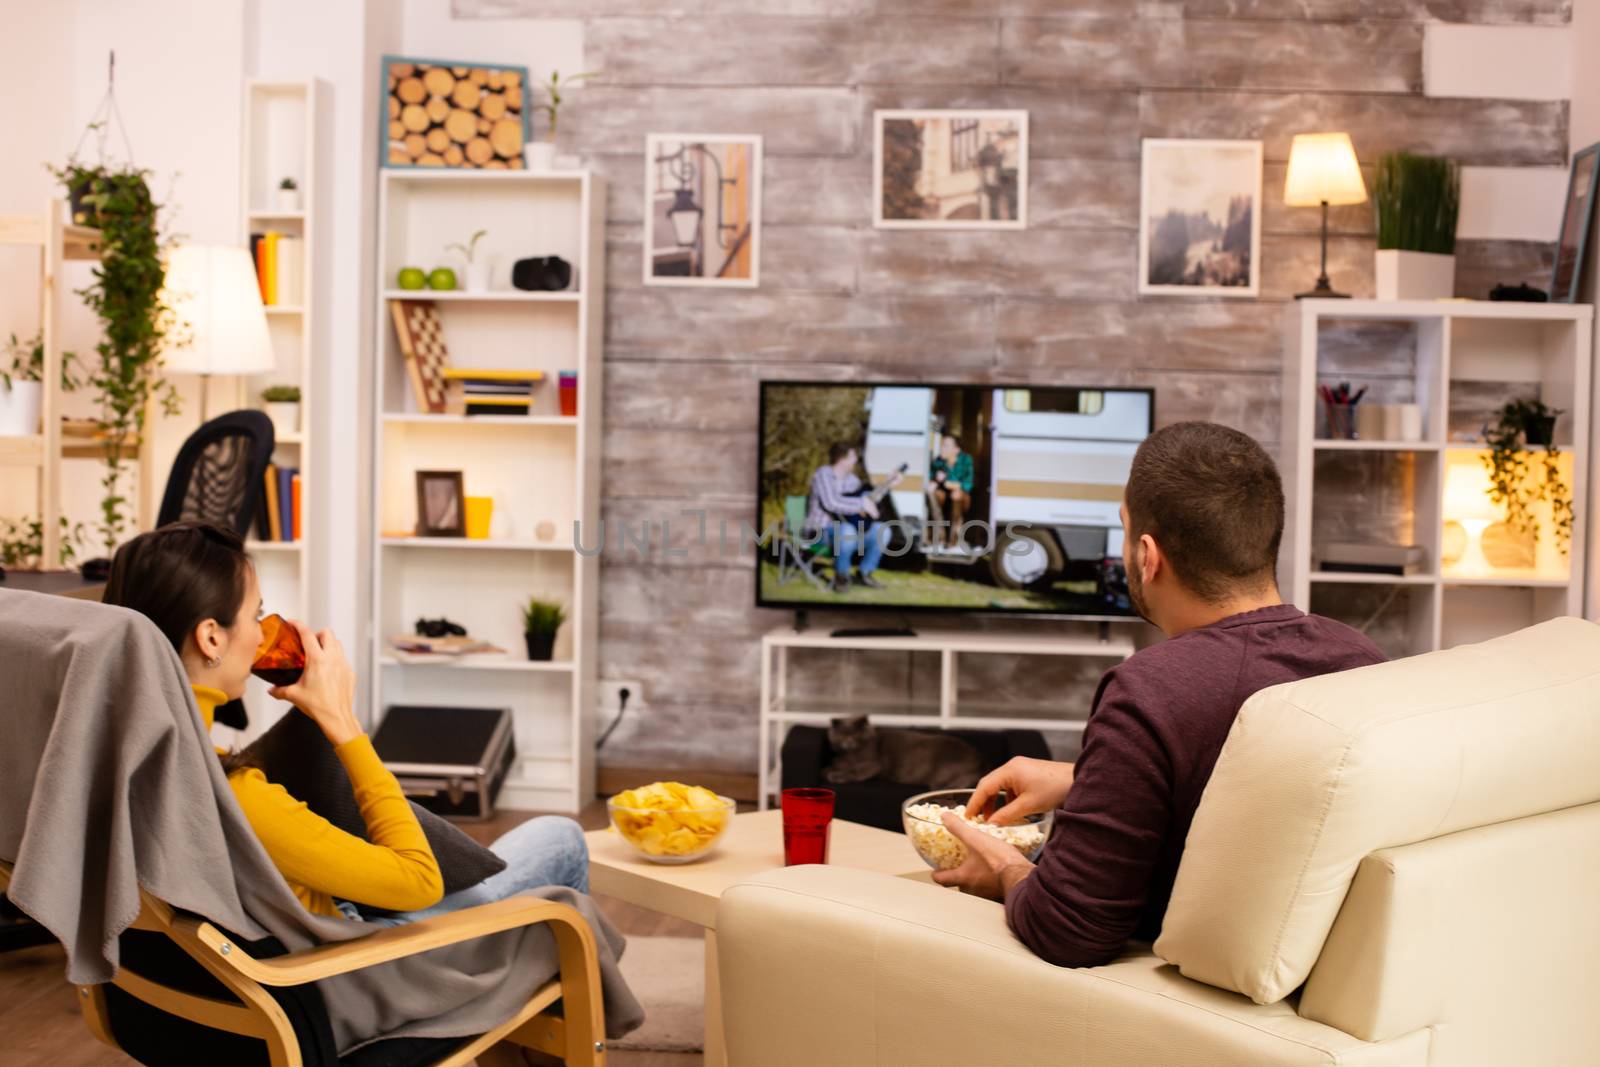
(296, 755)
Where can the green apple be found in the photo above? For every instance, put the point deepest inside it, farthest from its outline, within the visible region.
(412, 278)
(442, 278)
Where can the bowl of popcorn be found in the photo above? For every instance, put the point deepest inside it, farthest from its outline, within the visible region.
(923, 817)
(669, 822)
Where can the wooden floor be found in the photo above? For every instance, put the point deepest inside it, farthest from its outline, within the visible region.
(42, 1026)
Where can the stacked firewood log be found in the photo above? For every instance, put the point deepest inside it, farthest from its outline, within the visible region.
(458, 116)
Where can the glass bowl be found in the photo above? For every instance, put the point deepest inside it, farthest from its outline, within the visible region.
(942, 850)
(672, 836)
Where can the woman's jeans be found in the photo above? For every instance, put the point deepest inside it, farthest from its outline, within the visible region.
(548, 850)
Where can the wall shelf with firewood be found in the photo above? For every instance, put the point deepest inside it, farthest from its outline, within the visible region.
(1391, 522)
(446, 361)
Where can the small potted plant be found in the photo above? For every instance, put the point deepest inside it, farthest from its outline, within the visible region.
(541, 155)
(1521, 426)
(1417, 200)
(283, 408)
(22, 385)
(22, 543)
(541, 620)
(288, 195)
(478, 267)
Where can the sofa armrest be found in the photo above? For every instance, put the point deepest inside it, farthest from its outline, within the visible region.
(833, 965)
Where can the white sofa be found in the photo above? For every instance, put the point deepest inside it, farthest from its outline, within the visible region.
(1397, 865)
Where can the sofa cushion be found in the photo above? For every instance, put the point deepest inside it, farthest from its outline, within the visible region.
(1317, 774)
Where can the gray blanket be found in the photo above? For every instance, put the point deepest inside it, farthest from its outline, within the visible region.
(108, 782)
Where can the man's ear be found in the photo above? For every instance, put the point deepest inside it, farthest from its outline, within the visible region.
(1151, 562)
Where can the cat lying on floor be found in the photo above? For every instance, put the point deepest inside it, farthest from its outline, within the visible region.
(862, 751)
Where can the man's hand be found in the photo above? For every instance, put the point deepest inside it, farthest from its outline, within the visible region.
(991, 868)
(1034, 785)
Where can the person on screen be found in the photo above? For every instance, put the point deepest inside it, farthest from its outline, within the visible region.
(949, 485)
(1203, 514)
(841, 512)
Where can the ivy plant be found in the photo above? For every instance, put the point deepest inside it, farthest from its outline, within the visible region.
(1509, 462)
(22, 542)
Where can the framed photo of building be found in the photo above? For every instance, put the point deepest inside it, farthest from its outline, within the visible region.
(950, 170)
(702, 209)
(1572, 244)
(1200, 218)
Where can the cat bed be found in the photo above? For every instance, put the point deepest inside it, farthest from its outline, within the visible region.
(806, 754)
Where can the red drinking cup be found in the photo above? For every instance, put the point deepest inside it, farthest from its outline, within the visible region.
(807, 816)
(281, 658)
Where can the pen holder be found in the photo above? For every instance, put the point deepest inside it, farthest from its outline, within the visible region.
(1341, 420)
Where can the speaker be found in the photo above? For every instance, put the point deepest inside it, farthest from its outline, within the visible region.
(549, 273)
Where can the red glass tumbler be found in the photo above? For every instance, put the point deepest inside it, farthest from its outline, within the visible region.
(807, 817)
(281, 659)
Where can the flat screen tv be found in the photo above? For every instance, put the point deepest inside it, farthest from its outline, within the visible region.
(1034, 474)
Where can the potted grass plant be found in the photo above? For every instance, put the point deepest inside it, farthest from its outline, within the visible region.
(283, 408)
(1417, 200)
(22, 384)
(541, 621)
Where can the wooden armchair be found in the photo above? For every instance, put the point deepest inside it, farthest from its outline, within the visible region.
(288, 1031)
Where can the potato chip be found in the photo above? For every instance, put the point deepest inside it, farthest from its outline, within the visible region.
(670, 820)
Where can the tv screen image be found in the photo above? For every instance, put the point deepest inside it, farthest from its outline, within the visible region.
(994, 498)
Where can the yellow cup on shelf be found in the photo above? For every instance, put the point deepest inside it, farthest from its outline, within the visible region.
(480, 509)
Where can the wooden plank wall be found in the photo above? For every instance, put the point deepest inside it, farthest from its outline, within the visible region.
(1057, 302)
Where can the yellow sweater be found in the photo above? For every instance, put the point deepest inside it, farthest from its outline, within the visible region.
(395, 870)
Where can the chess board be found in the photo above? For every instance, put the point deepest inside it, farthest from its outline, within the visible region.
(416, 325)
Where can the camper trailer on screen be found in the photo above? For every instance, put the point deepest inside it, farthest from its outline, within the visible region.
(1049, 465)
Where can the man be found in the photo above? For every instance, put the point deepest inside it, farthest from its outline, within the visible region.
(846, 519)
(949, 485)
(1203, 515)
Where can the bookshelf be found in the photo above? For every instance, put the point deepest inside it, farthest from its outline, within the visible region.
(280, 134)
(1459, 361)
(540, 469)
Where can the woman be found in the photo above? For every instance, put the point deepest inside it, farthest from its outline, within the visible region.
(196, 583)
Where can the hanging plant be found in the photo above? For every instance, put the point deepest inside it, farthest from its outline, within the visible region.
(1521, 426)
(22, 543)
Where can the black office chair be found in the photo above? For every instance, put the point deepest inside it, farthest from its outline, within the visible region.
(217, 478)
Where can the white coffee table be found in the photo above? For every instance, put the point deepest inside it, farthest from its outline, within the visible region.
(752, 844)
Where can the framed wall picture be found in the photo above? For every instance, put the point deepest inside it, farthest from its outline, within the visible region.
(1576, 219)
(950, 170)
(449, 113)
(441, 504)
(1200, 218)
(702, 210)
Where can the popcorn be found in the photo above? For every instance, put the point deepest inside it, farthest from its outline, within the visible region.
(669, 819)
(944, 850)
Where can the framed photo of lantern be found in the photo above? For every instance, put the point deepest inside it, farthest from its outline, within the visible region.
(702, 209)
(448, 113)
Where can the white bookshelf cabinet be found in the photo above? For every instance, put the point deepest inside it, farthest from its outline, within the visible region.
(541, 470)
(1458, 360)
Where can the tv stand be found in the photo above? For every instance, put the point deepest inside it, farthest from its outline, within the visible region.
(875, 631)
(779, 711)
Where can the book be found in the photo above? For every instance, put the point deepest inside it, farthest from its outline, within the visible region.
(270, 263)
(286, 503)
(480, 374)
(258, 257)
(475, 407)
(295, 493)
(274, 516)
(291, 271)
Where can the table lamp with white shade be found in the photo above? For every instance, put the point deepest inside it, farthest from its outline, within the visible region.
(1323, 170)
(221, 327)
(1467, 503)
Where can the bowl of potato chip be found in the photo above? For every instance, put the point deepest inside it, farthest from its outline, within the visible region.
(923, 818)
(669, 822)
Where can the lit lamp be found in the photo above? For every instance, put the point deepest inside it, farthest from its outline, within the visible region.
(1466, 502)
(1323, 170)
(220, 326)
(685, 215)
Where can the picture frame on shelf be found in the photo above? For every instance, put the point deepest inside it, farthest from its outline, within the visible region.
(453, 113)
(441, 504)
(963, 169)
(1572, 243)
(1200, 218)
(702, 210)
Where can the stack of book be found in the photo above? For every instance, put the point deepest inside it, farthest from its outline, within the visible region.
(278, 515)
(280, 267)
(490, 392)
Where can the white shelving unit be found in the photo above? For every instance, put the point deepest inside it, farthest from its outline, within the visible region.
(779, 711)
(542, 470)
(280, 124)
(1464, 357)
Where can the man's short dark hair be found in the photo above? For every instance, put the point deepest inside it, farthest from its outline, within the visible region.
(838, 450)
(1212, 499)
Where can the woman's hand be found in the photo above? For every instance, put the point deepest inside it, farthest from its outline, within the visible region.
(326, 691)
(1034, 785)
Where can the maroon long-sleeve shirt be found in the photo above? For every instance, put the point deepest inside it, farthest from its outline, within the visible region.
(1154, 733)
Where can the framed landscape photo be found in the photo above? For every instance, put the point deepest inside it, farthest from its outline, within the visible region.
(950, 170)
(1200, 218)
(1576, 218)
(441, 504)
(702, 209)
